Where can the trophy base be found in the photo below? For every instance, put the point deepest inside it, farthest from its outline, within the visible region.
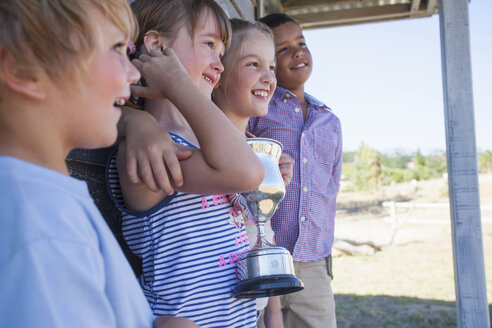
(267, 286)
(264, 272)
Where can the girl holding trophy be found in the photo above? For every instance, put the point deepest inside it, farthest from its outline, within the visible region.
(190, 241)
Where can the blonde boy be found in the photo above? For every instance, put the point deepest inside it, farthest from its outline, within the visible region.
(63, 66)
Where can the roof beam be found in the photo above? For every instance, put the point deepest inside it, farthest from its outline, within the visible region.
(415, 6)
(355, 16)
(353, 21)
(342, 5)
(431, 7)
(272, 6)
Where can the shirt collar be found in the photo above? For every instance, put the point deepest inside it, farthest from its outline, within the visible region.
(281, 93)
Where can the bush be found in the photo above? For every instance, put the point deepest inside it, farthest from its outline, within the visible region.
(368, 169)
(395, 175)
(396, 161)
(485, 161)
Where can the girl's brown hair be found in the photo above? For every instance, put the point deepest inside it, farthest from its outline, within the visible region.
(167, 17)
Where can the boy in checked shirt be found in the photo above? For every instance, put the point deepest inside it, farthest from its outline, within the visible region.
(311, 134)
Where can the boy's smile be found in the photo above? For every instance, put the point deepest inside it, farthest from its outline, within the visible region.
(93, 108)
(294, 62)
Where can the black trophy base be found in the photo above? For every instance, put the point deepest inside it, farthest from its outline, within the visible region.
(267, 286)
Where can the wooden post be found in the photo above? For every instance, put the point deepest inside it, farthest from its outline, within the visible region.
(260, 9)
(469, 270)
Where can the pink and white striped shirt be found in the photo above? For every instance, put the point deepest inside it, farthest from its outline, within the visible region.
(304, 222)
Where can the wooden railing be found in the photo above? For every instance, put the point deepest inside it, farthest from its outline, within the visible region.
(410, 206)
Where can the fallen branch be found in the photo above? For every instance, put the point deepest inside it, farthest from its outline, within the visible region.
(352, 247)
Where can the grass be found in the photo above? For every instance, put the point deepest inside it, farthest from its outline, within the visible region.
(409, 284)
(370, 311)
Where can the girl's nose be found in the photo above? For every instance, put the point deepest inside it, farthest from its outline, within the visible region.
(268, 77)
(217, 65)
(132, 73)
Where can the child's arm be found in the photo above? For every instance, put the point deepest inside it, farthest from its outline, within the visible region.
(224, 163)
(337, 166)
(150, 151)
(273, 313)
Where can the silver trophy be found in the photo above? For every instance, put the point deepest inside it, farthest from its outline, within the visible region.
(266, 270)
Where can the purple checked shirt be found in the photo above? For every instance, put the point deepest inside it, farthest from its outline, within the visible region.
(304, 222)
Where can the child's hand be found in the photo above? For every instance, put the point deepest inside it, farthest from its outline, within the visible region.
(161, 72)
(286, 166)
(152, 155)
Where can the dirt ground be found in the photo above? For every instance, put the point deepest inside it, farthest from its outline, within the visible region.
(410, 281)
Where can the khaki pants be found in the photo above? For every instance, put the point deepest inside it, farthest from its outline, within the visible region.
(314, 306)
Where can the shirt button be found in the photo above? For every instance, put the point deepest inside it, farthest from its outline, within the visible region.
(305, 189)
(303, 218)
(302, 134)
(296, 110)
(304, 160)
(285, 100)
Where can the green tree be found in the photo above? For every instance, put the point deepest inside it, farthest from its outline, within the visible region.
(396, 160)
(348, 156)
(428, 167)
(419, 160)
(485, 161)
(368, 167)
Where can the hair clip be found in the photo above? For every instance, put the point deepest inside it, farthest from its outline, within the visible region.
(131, 48)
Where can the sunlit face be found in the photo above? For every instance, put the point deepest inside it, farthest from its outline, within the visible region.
(201, 54)
(294, 62)
(251, 82)
(90, 109)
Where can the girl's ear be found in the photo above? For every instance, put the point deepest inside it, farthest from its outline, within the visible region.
(18, 78)
(155, 40)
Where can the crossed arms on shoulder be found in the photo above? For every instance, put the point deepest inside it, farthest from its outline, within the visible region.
(224, 163)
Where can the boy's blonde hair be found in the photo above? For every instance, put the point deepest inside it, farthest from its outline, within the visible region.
(240, 30)
(167, 17)
(58, 35)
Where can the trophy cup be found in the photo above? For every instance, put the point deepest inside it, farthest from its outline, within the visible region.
(266, 270)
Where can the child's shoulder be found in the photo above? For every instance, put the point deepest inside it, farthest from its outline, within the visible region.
(283, 95)
(30, 188)
(43, 201)
(313, 101)
(21, 173)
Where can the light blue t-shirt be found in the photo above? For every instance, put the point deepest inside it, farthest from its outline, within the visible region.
(60, 265)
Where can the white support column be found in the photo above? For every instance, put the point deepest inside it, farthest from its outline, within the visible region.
(260, 9)
(471, 291)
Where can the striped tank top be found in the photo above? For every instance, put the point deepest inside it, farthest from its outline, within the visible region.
(189, 245)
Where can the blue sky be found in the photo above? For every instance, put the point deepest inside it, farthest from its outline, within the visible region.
(384, 81)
